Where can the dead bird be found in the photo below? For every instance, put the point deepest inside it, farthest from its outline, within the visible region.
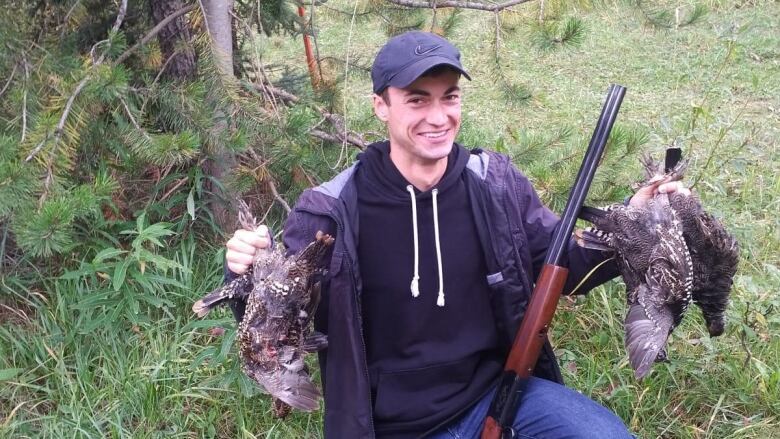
(670, 253)
(282, 294)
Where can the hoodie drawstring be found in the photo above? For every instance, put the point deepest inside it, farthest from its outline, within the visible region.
(415, 285)
(440, 299)
(416, 279)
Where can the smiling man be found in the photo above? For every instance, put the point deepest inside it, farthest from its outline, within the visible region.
(437, 250)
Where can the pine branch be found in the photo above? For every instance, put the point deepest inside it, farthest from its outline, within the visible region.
(67, 16)
(157, 79)
(152, 33)
(342, 135)
(458, 4)
(258, 66)
(120, 16)
(132, 119)
(61, 124)
(271, 184)
(69, 106)
(350, 138)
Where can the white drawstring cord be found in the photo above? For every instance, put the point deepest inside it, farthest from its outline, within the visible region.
(440, 299)
(416, 279)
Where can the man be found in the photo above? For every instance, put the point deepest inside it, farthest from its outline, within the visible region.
(436, 251)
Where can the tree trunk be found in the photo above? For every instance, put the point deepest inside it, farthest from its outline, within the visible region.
(221, 31)
(218, 20)
(175, 40)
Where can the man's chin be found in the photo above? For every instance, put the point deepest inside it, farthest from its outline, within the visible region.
(426, 144)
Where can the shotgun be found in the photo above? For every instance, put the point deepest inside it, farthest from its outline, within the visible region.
(533, 329)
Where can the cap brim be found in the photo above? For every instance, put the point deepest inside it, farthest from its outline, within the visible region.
(415, 70)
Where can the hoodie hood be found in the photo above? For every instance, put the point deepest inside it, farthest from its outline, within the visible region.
(387, 181)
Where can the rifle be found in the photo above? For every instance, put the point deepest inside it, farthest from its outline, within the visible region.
(533, 329)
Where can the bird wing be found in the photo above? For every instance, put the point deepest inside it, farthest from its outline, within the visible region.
(715, 259)
(238, 288)
(647, 326)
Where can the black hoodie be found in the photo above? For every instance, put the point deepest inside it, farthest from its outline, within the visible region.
(427, 362)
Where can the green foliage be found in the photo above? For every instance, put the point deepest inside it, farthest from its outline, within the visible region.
(657, 15)
(399, 20)
(550, 35)
(130, 283)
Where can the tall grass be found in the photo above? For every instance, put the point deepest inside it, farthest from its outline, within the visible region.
(144, 380)
(712, 86)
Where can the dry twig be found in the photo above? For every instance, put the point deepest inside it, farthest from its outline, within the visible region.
(8, 82)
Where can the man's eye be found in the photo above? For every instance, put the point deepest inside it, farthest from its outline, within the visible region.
(453, 97)
(415, 101)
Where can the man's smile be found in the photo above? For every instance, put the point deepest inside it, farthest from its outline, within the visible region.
(434, 134)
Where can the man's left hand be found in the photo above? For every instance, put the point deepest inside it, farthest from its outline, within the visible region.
(643, 195)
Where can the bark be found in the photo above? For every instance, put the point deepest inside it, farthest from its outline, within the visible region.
(175, 39)
(218, 19)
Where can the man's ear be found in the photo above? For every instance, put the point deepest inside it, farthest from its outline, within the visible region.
(380, 108)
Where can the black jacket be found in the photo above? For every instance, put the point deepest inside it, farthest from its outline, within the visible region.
(516, 229)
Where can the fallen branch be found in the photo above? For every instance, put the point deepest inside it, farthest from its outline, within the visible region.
(494, 7)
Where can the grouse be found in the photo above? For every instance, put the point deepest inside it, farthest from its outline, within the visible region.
(669, 253)
(281, 294)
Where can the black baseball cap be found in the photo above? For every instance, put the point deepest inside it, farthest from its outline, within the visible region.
(405, 57)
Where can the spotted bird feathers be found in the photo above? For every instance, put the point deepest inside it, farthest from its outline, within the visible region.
(670, 253)
(281, 294)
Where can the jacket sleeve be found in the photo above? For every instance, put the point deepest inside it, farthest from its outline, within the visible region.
(540, 223)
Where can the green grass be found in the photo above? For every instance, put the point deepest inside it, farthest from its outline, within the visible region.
(713, 86)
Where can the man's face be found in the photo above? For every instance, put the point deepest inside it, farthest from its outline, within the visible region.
(423, 118)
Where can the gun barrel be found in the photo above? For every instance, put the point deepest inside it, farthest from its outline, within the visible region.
(532, 333)
(585, 175)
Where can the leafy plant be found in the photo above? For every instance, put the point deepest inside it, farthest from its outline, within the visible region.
(125, 283)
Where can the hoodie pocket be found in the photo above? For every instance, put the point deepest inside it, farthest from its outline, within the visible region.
(411, 394)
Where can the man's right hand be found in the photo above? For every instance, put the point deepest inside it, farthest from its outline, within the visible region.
(243, 246)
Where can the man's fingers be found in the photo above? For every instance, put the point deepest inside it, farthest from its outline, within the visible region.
(674, 186)
(238, 258)
(237, 268)
(257, 239)
(241, 246)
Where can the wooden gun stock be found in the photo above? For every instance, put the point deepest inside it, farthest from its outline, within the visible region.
(532, 333)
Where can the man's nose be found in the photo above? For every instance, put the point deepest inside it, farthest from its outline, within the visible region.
(436, 115)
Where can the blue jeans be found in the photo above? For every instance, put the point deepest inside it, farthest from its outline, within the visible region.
(547, 410)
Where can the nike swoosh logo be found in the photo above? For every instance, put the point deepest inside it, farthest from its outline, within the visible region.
(420, 51)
